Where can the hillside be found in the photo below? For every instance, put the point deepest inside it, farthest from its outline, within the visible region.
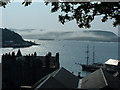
(12, 39)
(103, 36)
(8, 35)
(86, 35)
(102, 33)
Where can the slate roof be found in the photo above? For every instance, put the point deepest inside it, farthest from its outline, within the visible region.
(100, 79)
(60, 78)
(51, 82)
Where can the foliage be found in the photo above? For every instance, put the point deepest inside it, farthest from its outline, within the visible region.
(82, 12)
(5, 2)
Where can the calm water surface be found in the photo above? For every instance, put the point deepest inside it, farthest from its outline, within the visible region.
(72, 52)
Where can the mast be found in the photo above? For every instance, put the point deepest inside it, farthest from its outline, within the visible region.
(93, 54)
(87, 54)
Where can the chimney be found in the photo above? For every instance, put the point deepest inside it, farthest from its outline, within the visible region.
(13, 53)
(57, 61)
(119, 63)
(47, 61)
(19, 53)
(79, 75)
(49, 54)
(35, 54)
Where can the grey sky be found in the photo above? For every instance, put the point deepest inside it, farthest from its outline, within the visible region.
(38, 16)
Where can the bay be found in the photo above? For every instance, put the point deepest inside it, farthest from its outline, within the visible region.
(71, 52)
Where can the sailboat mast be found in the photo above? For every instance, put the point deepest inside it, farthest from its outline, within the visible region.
(87, 54)
(93, 54)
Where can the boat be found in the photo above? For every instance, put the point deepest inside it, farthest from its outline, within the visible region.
(91, 67)
(110, 66)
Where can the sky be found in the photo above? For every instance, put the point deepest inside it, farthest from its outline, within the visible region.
(38, 16)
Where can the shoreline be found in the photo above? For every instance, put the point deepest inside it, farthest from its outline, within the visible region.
(18, 46)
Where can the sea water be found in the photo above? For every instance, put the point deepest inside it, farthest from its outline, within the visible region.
(72, 52)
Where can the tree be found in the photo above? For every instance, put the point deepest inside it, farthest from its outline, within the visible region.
(82, 12)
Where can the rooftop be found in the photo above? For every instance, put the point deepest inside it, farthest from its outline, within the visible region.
(60, 78)
(112, 62)
(100, 79)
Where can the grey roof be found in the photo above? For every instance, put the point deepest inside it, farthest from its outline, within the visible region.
(100, 79)
(60, 78)
(51, 82)
(67, 78)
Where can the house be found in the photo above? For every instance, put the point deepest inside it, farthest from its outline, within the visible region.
(100, 79)
(112, 65)
(113, 62)
(19, 70)
(60, 78)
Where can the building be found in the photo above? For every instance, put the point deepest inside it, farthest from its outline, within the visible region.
(112, 65)
(60, 78)
(101, 80)
(19, 70)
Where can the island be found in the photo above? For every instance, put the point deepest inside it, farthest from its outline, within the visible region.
(13, 39)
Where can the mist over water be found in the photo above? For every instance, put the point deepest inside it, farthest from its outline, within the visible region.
(61, 35)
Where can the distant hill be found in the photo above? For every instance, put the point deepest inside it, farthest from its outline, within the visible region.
(102, 33)
(8, 35)
(12, 39)
(104, 36)
(86, 35)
